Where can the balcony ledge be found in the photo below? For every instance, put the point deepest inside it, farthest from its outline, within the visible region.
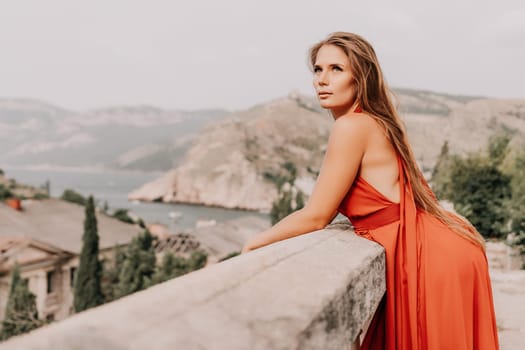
(314, 291)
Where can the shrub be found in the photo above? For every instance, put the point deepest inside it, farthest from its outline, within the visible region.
(122, 215)
(73, 197)
(478, 187)
(5, 193)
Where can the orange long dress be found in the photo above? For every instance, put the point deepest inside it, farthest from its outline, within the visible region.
(438, 291)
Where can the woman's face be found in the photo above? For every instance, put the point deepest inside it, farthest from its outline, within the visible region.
(333, 80)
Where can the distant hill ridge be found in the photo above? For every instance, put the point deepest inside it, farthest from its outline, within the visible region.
(34, 132)
(222, 158)
(227, 162)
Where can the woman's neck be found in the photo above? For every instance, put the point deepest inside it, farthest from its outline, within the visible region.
(337, 113)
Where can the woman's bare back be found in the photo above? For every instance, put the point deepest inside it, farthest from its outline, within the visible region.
(379, 166)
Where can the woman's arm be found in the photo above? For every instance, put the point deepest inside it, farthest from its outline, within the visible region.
(346, 147)
(295, 224)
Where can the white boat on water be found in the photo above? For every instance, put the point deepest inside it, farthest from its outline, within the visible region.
(205, 223)
(175, 215)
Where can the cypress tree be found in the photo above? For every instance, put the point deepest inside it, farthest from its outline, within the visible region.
(21, 314)
(441, 174)
(88, 290)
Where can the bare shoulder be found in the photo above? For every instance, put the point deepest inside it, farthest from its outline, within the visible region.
(349, 135)
(355, 123)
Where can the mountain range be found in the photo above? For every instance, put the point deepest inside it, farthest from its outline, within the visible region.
(232, 162)
(229, 158)
(34, 133)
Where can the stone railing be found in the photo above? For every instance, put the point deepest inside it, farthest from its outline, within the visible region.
(314, 291)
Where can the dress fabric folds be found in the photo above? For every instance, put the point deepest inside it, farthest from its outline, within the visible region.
(438, 293)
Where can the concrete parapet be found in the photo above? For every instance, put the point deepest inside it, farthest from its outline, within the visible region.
(314, 291)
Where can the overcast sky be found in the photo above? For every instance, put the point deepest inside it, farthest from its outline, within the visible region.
(236, 53)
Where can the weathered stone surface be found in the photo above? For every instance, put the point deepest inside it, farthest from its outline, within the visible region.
(314, 291)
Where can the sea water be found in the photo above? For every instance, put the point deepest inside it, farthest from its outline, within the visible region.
(113, 186)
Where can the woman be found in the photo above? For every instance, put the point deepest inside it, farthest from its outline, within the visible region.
(438, 288)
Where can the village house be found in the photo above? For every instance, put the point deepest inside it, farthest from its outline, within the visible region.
(45, 238)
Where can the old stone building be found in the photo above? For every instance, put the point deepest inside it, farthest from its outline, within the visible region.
(45, 238)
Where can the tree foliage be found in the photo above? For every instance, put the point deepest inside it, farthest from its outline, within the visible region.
(479, 187)
(174, 266)
(21, 315)
(517, 205)
(134, 267)
(498, 148)
(111, 273)
(289, 198)
(138, 265)
(479, 192)
(72, 196)
(87, 289)
(122, 215)
(5, 192)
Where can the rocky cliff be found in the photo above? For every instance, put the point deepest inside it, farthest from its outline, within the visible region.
(231, 162)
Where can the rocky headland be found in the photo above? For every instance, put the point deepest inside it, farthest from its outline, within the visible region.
(231, 163)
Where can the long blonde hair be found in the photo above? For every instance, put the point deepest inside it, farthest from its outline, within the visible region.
(375, 98)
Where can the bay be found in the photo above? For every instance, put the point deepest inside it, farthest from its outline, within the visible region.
(113, 186)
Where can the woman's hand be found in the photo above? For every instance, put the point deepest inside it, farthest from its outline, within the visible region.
(246, 249)
(249, 245)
